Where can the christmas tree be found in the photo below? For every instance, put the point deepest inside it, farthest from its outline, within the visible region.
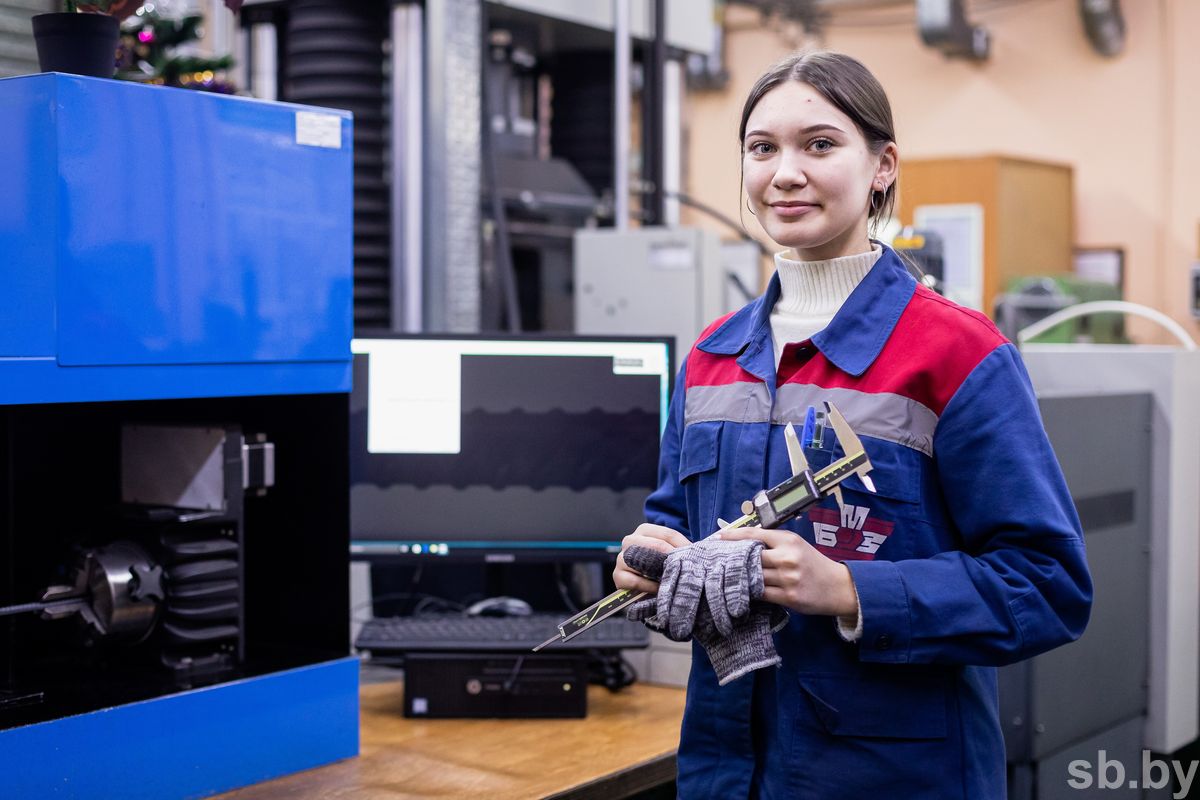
(149, 53)
(149, 39)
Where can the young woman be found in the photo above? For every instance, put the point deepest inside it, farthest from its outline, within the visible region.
(967, 556)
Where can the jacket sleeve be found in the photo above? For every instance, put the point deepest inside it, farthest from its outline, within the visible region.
(666, 504)
(1020, 584)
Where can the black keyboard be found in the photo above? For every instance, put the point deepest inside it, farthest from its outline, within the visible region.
(459, 632)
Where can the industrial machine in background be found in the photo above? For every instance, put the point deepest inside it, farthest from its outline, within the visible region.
(169, 592)
(550, 97)
(534, 199)
(1092, 695)
(923, 253)
(1029, 300)
(484, 138)
(174, 479)
(660, 281)
(1122, 421)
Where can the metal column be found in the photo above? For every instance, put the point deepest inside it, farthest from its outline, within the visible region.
(407, 148)
(452, 166)
(623, 54)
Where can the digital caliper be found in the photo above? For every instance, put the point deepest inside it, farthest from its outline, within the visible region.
(769, 508)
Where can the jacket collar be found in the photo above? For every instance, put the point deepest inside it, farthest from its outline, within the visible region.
(852, 340)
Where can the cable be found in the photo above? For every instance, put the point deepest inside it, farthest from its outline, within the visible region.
(742, 288)
(512, 678)
(1106, 306)
(563, 591)
(862, 17)
(430, 598)
(629, 670)
(865, 22)
(44, 606)
(1001, 5)
(610, 670)
(717, 215)
(432, 603)
(837, 6)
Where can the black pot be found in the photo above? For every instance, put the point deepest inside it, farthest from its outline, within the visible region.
(81, 44)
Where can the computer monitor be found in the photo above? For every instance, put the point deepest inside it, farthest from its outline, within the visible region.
(499, 448)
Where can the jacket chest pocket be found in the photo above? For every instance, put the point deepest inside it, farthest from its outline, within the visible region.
(874, 524)
(699, 456)
(895, 473)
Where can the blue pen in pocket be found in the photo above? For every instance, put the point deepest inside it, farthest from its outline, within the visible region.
(810, 423)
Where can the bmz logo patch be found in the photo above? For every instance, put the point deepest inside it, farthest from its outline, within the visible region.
(848, 534)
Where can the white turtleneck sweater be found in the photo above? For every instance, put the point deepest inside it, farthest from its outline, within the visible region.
(811, 292)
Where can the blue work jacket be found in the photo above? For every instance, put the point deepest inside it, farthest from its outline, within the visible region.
(968, 556)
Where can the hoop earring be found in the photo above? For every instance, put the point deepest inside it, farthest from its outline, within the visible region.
(748, 208)
(876, 201)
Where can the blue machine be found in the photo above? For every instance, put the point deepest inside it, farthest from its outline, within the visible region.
(159, 243)
(173, 263)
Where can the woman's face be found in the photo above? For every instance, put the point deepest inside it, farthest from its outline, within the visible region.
(809, 173)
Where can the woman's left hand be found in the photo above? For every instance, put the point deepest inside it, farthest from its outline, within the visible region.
(800, 577)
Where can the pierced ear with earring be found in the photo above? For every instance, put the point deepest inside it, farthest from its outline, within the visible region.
(878, 194)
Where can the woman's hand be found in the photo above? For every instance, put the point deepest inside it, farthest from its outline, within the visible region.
(799, 576)
(656, 537)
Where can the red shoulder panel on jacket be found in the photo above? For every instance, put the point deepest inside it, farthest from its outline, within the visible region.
(934, 347)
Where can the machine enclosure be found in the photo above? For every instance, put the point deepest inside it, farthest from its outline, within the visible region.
(196, 251)
(166, 243)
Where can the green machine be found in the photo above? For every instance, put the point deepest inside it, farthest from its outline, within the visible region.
(1031, 299)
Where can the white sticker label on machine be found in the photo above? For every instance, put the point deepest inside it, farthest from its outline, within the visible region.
(319, 130)
(672, 255)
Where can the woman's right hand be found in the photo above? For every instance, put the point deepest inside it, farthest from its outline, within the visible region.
(656, 537)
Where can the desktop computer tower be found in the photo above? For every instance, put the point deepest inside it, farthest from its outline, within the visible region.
(498, 685)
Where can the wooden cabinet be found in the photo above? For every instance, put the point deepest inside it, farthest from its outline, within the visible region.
(1006, 218)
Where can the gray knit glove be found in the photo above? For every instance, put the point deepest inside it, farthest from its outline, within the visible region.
(739, 640)
(731, 624)
(748, 646)
(650, 563)
(732, 578)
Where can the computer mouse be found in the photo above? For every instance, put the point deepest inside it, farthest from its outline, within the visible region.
(500, 607)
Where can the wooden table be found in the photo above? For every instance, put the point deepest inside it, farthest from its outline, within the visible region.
(625, 745)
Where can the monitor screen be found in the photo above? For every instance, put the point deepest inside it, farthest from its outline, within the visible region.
(496, 448)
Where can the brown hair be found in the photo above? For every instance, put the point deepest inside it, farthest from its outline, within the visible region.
(850, 86)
